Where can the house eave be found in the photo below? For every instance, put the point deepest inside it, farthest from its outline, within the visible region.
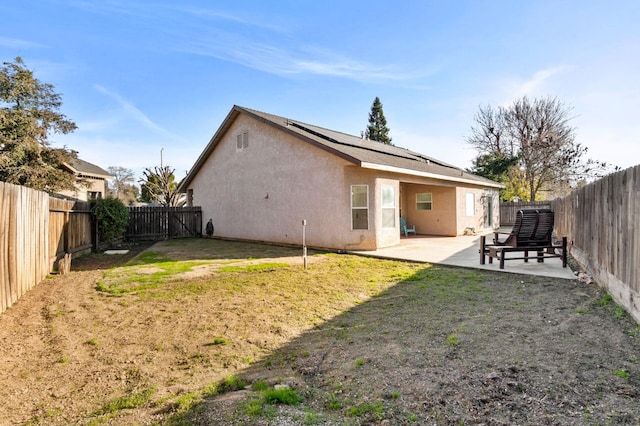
(373, 166)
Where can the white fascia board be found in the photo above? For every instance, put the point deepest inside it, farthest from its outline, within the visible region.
(392, 169)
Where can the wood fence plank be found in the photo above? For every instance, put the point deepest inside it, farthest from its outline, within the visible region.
(603, 221)
(31, 229)
(4, 255)
(508, 210)
(159, 223)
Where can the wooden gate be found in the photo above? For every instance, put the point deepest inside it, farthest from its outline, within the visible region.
(161, 223)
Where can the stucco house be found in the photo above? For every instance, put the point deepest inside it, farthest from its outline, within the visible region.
(94, 178)
(261, 175)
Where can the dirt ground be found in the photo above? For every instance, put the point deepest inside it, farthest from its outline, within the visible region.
(446, 346)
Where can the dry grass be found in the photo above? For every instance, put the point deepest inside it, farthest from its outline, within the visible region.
(173, 336)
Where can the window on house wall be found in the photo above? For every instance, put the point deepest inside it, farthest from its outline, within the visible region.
(239, 142)
(424, 201)
(388, 206)
(359, 206)
(471, 204)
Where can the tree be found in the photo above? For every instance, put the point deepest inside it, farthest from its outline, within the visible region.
(123, 186)
(28, 116)
(112, 218)
(501, 168)
(536, 132)
(159, 186)
(377, 129)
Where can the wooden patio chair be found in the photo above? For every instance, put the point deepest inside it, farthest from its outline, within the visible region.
(532, 231)
(405, 228)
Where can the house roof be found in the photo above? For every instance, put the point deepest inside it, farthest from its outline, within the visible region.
(357, 150)
(84, 168)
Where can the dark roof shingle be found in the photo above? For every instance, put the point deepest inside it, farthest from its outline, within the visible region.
(85, 168)
(359, 151)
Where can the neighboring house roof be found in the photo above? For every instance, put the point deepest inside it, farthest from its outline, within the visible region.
(361, 152)
(84, 168)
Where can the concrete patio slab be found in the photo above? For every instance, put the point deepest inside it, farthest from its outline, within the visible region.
(464, 251)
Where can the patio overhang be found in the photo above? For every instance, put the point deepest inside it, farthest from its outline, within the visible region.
(460, 179)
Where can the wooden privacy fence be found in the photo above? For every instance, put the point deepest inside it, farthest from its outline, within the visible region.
(602, 220)
(160, 223)
(71, 229)
(508, 210)
(35, 231)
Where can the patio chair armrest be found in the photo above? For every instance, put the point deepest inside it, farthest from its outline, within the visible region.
(496, 236)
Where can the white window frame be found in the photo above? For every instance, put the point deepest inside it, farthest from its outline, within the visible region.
(425, 203)
(388, 205)
(470, 204)
(365, 208)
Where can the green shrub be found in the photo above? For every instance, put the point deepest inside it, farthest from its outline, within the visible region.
(452, 340)
(112, 217)
(375, 409)
(231, 383)
(286, 396)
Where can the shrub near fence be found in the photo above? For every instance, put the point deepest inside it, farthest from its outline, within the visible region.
(35, 231)
(602, 220)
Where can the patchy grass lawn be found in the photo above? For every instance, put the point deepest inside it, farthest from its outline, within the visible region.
(203, 331)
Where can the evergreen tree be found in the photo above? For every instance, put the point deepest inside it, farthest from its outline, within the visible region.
(377, 129)
(28, 116)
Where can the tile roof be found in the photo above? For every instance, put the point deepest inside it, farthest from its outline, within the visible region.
(362, 152)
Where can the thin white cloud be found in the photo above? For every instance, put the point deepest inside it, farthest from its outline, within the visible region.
(176, 12)
(16, 43)
(220, 15)
(137, 115)
(538, 80)
(286, 62)
(269, 48)
(536, 85)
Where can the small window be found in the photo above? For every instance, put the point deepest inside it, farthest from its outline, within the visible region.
(239, 142)
(245, 139)
(360, 207)
(471, 204)
(424, 201)
(388, 206)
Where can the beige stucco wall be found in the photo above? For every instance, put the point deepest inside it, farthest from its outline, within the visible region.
(479, 220)
(448, 216)
(92, 185)
(441, 219)
(264, 191)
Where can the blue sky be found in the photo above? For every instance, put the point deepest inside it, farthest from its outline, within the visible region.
(141, 77)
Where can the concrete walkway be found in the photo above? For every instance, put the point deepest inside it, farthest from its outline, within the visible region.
(464, 251)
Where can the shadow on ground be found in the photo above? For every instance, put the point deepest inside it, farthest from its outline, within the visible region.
(455, 346)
